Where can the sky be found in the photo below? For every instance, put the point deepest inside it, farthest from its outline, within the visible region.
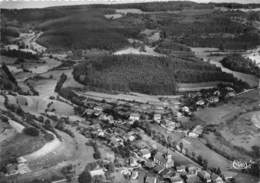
(12, 4)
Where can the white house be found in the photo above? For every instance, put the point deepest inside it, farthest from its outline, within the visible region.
(196, 132)
(97, 172)
(157, 118)
(200, 103)
(134, 117)
(145, 153)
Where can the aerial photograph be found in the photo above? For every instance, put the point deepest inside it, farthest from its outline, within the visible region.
(130, 91)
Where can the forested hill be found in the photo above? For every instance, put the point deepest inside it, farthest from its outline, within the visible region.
(144, 74)
(86, 27)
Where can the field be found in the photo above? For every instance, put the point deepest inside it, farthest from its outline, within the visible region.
(242, 132)
(236, 133)
(186, 87)
(195, 145)
(19, 144)
(37, 105)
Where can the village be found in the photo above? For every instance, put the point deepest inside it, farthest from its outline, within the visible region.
(144, 138)
(81, 135)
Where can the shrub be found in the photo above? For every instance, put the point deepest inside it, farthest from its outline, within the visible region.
(31, 131)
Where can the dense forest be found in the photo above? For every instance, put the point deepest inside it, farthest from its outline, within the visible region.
(85, 27)
(145, 74)
(238, 63)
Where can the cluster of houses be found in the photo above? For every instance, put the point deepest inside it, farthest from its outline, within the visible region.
(207, 98)
(160, 168)
(20, 167)
(143, 165)
(126, 113)
(15, 47)
(26, 43)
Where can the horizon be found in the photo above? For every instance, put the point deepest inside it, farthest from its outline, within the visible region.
(25, 4)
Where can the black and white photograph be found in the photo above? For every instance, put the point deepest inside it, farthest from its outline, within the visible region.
(130, 91)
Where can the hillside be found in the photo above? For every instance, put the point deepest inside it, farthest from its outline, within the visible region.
(85, 27)
(144, 74)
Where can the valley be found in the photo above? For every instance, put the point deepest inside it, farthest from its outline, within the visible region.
(97, 92)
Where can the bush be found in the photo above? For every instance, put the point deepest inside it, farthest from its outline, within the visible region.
(31, 131)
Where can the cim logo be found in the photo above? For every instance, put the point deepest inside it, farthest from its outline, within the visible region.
(239, 164)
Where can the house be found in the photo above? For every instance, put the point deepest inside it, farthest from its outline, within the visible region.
(213, 100)
(217, 93)
(216, 178)
(151, 179)
(97, 172)
(157, 118)
(134, 117)
(126, 171)
(164, 160)
(181, 169)
(130, 137)
(192, 179)
(158, 169)
(230, 94)
(228, 88)
(170, 125)
(196, 132)
(134, 175)
(98, 110)
(108, 118)
(186, 110)
(205, 176)
(21, 160)
(145, 153)
(25, 50)
(133, 162)
(88, 112)
(165, 173)
(192, 170)
(149, 164)
(11, 47)
(176, 179)
(23, 168)
(115, 142)
(100, 133)
(228, 175)
(200, 103)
